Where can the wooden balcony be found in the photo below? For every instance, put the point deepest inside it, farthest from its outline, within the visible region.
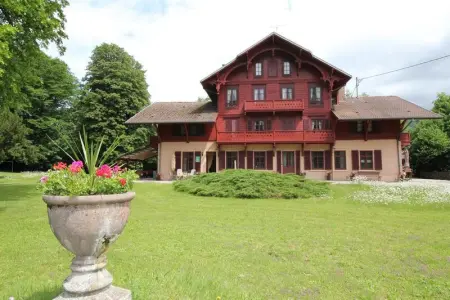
(405, 139)
(276, 136)
(273, 105)
(319, 136)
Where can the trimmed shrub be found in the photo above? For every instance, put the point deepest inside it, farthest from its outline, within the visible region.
(251, 185)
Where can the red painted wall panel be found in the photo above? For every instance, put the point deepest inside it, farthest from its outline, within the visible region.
(165, 131)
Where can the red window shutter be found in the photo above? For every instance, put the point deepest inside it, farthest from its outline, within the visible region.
(306, 124)
(197, 164)
(378, 162)
(307, 160)
(228, 125)
(241, 160)
(177, 160)
(328, 160)
(279, 161)
(249, 125)
(249, 159)
(297, 161)
(269, 124)
(355, 160)
(273, 68)
(221, 160)
(269, 160)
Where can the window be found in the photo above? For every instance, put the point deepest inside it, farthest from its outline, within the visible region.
(232, 158)
(315, 95)
(232, 97)
(317, 158)
(359, 126)
(196, 129)
(260, 160)
(286, 68)
(287, 93)
(258, 69)
(366, 160)
(188, 161)
(258, 93)
(288, 159)
(288, 123)
(232, 125)
(273, 68)
(339, 160)
(259, 125)
(317, 124)
(178, 130)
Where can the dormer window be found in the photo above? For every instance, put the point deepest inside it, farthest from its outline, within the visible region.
(258, 69)
(286, 68)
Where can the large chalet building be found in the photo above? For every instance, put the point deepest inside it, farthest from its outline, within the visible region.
(278, 107)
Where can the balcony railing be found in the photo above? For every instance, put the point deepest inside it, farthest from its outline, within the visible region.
(320, 136)
(405, 139)
(274, 105)
(276, 136)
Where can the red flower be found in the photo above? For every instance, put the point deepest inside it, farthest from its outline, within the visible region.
(60, 166)
(76, 166)
(123, 181)
(104, 171)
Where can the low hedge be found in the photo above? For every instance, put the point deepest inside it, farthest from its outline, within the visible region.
(251, 184)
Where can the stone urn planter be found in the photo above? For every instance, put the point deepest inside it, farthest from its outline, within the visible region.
(87, 226)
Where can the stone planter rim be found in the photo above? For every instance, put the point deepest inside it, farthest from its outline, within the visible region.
(88, 199)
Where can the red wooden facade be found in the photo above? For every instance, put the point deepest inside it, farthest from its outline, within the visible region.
(278, 92)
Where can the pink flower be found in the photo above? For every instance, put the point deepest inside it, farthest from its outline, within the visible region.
(104, 171)
(116, 169)
(59, 166)
(123, 181)
(76, 166)
(44, 179)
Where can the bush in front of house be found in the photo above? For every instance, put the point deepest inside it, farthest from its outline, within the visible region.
(252, 184)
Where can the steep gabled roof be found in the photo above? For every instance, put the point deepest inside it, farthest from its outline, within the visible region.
(175, 112)
(380, 107)
(282, 38)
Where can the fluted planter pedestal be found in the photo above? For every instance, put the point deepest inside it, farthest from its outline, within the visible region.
(87, 226)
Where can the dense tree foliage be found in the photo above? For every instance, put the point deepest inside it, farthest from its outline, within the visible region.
(50, 90)
(26, 26)
(114, 90)
(430, 146)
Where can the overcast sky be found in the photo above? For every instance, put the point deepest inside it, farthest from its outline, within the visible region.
(181, 41)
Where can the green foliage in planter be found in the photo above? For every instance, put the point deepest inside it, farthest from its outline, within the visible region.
(251, 184)
(70, 181)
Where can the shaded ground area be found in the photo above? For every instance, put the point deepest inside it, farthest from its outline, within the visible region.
(178, 246)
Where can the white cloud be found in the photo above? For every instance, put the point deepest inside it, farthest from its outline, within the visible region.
(180, 42)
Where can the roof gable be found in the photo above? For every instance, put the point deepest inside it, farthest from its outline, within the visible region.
(302, 53)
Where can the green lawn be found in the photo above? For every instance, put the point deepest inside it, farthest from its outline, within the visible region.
(177, 246)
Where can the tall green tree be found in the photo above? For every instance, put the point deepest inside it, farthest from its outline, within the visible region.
(442, 106)
(26, 26)
(50, 91)
(430, 146)
(114, 90)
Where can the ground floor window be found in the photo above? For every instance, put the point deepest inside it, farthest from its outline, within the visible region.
(260, 160)
(366, 160)
(339, 160)
(188, 161)
(232, 158)
(317, 159)
(288, 158)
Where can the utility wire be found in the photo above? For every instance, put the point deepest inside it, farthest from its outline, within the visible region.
(422, 63)
(358, 80)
